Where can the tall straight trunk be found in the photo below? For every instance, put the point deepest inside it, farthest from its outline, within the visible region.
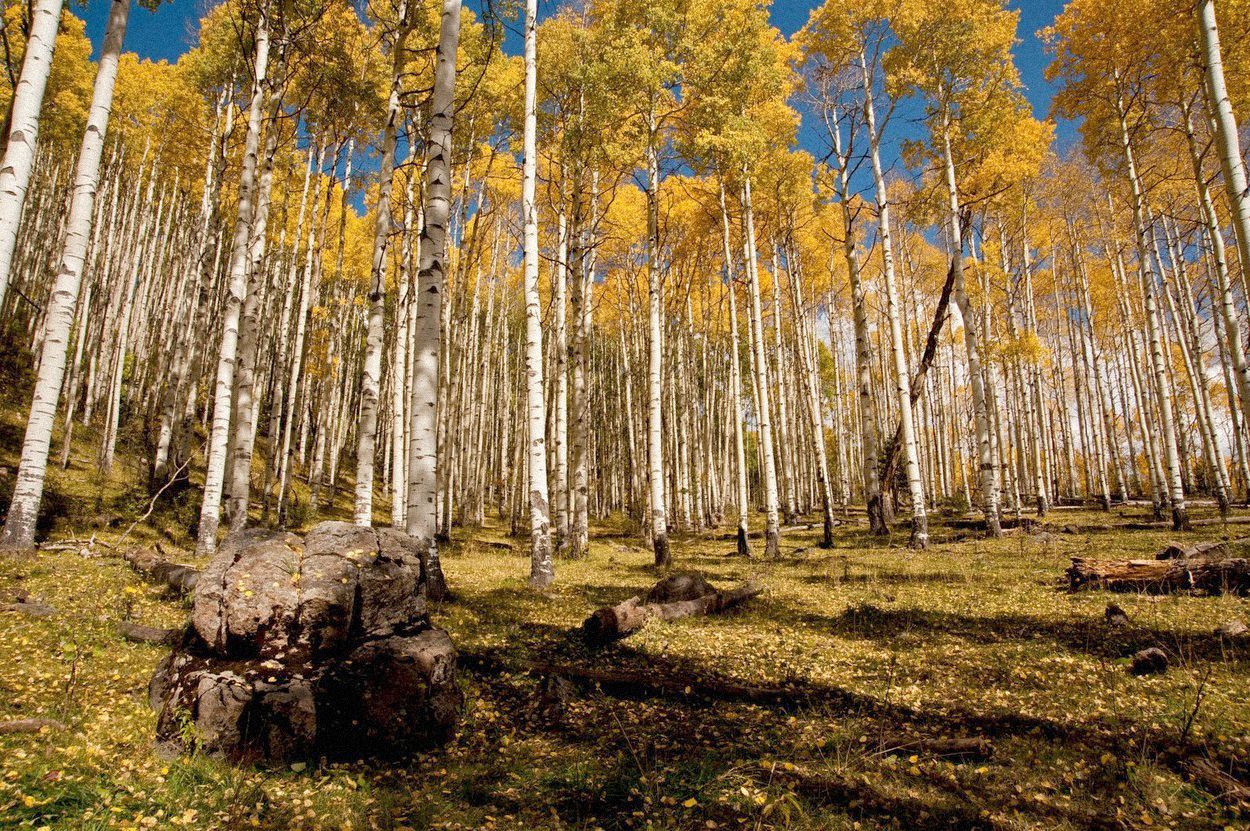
(542, 569)
(810, 382)
(972, 344)
(25, 107)
(579, 401)
(772, 530)
(655, 365)
(371, 383)
(19, 526)
(1035, 403)
(898, 347)
(245, 400)
(423, 480)
(1220, 108)
(560, 383)
(869, 436)
(223, 396)
(1149, 284)
(735, 386)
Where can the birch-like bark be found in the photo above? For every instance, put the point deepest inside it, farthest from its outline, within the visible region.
(371, 383)
(422, 519)
(25, 108)
(1149, 284)
(1220, 107)
(735, 386)
(772, 529)
(542, 569)
(898, 347)
(223, 396)
(972, 344)
(655, 365)
(19, 527)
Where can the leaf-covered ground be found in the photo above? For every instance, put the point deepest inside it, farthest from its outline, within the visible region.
(870, 645)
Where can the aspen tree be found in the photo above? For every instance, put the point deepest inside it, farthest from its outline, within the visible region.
(223, 397)
(22, 141)
(542, 570)
(1220, 107)
(371, 382)
(19, 526)
(422, 519)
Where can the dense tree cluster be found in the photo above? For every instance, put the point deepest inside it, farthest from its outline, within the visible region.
(359, 247)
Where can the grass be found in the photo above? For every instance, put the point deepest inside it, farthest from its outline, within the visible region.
(869, 641)
(969, 638)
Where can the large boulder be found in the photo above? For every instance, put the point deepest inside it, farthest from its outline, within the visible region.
(304, 646)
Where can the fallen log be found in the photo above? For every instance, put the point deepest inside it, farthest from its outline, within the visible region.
(26, 607)
(1230, 576)
(681, 595)
(138, 633)
(30, 725)
(1218, 783)
(178, 578)
(1203, 550)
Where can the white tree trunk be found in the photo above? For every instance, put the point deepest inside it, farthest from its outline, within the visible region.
(898, 348)
(735, 387)
(542, 570)
(772, 524)
(1167, 426)
(655, 367)
(371, 383)
(422, 517)
(985, 456)
(19, 154)
(19, 527)
(1226, 138)
(223, 397)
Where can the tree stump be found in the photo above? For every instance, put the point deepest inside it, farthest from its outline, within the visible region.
(302, 647)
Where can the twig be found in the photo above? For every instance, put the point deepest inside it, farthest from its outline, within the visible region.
(152, 503)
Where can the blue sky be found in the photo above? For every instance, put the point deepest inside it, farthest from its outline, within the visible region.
(169, 31)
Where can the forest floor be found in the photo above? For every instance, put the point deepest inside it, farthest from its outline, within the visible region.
(786, 713)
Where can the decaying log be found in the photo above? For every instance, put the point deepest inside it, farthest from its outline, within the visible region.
(1222, 786)
(178, 578)
(27, 607)
(681, 595)
(30, 725)
(138, 633)
(1161, 576)
(1204, 550)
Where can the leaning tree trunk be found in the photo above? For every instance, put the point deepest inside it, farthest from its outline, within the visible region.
(1220, 106)
(985, 455)
(371, 383)
(223, 397)
(542, 569)
(19, 527)
(19, 153)
(422, 517)
(902, 373)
